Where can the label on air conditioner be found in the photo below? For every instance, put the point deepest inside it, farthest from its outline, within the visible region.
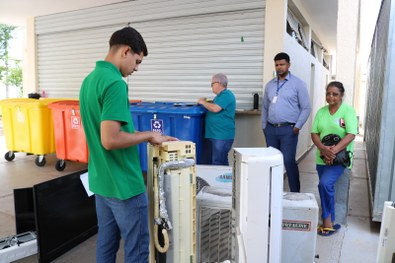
(296, 225)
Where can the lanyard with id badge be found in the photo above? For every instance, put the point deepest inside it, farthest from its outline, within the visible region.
(278, 89)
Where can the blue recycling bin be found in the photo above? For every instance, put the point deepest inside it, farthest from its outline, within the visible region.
(184, 121)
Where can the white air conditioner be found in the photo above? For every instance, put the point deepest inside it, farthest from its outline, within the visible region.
(171, 188)
(299, 229)
(386, 248)
(214, 213)
(257, 205)
(19, 246)
(214, 218)
(215, 175)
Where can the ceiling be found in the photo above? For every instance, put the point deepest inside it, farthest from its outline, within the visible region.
(323, 13)
(15, 12)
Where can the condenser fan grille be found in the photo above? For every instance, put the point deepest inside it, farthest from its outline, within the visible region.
(215, 234)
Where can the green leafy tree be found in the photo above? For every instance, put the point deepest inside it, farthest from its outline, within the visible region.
(10, 73)
(15, 77)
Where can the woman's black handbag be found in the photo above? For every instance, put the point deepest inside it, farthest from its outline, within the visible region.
(342, 157)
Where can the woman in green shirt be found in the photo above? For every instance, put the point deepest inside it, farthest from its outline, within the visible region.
(336, 118)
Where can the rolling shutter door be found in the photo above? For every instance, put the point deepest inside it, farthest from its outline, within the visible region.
(188, 42)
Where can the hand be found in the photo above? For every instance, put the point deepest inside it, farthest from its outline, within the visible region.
(156, 138)
(328, 153)
(202, 100)
(296, 130)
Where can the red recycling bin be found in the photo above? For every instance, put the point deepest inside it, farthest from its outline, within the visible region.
(70, 140)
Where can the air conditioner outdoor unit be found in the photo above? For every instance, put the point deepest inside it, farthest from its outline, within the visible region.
(386, 248)
(214, 213)
(215, 175)
(299, 229)
(171, 188)
(214, 218)
(257, 205)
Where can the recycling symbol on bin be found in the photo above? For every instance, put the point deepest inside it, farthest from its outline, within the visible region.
(157, 125)
(75, 122)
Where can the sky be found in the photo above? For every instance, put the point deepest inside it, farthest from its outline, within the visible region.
(17, 44)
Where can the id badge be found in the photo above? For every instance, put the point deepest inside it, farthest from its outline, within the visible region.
(274, 99)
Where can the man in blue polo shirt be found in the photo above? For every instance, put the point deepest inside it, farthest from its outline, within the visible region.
(285, 109)
(220, 120)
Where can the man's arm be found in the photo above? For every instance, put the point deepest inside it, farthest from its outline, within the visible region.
(304, 106)
(112, 137)
(209, 105)
(265, 107)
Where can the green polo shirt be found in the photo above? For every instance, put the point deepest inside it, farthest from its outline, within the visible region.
(104, 96)
(221, 125)
(342, 122)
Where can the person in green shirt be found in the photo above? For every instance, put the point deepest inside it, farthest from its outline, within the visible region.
(336, 118)
(114, 169)
(219, 120)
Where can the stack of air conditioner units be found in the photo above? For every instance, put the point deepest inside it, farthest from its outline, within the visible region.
(299, 229)
(214, 213)
(386, 248)
(171, 188)
(257, 205)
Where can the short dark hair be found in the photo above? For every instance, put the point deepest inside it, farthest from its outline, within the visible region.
(336, 84)
(281, 56)
(130, 37)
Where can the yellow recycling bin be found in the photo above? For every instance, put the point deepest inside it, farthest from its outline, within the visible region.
(28, 127)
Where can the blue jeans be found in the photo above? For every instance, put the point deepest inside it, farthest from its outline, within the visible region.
(328, 175)
(219, 151)
(285, 140)
(122, 218)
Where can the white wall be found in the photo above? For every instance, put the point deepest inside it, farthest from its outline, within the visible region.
(29, 61)
(301, 66)
(248, 127)
(346, 50)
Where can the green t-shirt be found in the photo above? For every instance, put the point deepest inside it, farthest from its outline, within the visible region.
(221, 125)
(104, 96)
(342, 122)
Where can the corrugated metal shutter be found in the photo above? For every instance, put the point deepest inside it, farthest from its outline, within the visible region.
(187, 41)
(65, 58)
(379, 125)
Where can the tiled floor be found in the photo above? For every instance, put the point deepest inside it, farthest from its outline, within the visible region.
(355, 242)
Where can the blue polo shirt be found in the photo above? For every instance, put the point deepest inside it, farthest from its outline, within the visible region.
(291, 105)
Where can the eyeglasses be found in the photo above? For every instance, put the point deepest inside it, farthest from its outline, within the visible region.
(212, 83)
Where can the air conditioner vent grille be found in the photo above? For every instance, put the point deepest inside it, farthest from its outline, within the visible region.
(215, 234)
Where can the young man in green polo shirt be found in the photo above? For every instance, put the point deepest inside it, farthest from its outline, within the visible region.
(114, 169)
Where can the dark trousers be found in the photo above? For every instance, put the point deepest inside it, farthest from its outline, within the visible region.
(285, 140)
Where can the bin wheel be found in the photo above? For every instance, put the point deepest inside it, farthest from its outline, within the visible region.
(9, 156)
(60, 165)
(40, 160)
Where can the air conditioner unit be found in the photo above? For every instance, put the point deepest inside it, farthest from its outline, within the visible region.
(214, 213)
(19, 246)
(171, 188)
(299, 229)
(214, 216)
(257, 205)
(386, 248)
(215, 175)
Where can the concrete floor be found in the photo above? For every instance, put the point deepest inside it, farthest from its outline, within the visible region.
(355, 242)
